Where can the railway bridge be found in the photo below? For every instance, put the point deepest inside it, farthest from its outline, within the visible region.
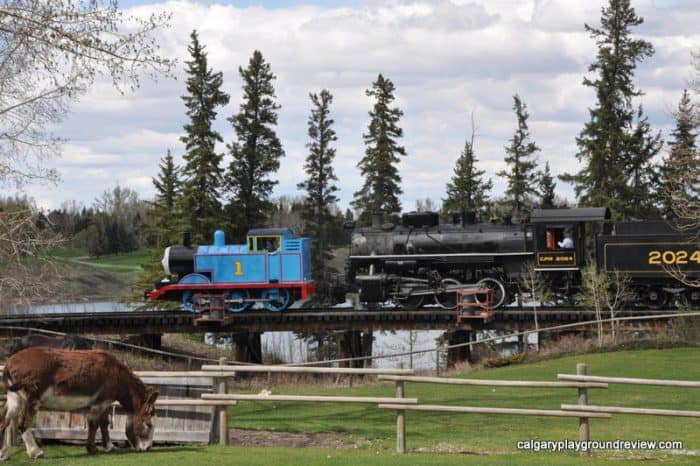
(351, 326)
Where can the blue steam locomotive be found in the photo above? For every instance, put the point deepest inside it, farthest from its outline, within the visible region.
(273, 268)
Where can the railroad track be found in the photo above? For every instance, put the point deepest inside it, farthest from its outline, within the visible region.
(158, 321)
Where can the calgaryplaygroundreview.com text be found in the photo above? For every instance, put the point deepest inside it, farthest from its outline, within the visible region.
(578, 445)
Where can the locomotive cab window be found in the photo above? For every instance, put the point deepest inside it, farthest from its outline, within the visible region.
(264, 243)
(559, 237)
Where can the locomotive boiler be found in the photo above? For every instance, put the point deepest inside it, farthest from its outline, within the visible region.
(422, 261)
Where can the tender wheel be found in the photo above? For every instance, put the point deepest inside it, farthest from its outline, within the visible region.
(654, 298)
(499, 292)
(276, 299)
(236, 300)
(445, 299)
(692, 297)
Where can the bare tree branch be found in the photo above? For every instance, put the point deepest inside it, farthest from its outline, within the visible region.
(51, 51)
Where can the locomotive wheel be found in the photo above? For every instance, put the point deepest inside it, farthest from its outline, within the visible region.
(188, 301)
(238, 298)
(499, 292)
(447, 300)
(276, 299)
(412, 302)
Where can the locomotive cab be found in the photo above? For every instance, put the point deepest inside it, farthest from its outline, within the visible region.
(562, 237)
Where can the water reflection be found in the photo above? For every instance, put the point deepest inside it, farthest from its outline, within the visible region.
(73, 308)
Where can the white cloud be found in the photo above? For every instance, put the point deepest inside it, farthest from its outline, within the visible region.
(446, 58)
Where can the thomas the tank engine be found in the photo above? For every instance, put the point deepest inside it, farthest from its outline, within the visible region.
(273, 268)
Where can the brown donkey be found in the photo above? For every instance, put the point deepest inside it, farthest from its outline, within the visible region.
(68, 380)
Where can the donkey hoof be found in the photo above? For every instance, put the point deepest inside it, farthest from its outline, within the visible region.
(4, 454)
(38, 454)
(110, 448)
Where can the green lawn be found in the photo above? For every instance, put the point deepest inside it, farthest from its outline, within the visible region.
(474, 439)
(499, 433)
(128, 263)
(217, 455)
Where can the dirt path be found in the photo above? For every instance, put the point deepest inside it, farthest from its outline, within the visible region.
(268, 438)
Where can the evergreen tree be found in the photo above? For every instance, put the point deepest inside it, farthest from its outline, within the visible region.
(319, 183)
(641, 173)
(547, 186)
(202, 172)
(467, 190)
(165, 213)
(381, 189)
(521, 159)
(615, 150)
(256, 152)
(683, 155)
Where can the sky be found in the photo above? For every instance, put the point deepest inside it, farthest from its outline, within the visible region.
(448, 59)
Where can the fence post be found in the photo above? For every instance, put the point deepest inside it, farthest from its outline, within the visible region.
(223, 410)
(583, 427)
(400, 420)
(437, 362)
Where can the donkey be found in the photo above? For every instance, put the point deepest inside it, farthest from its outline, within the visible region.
(68, 380)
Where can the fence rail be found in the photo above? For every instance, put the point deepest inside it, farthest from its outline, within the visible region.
(495, 383)
(487, 410)
(628, 410)
(308, 370)
(310, 398)
(632, 381)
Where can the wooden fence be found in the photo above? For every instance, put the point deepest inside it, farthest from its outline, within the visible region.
(207, 389)
(193, 405)
(581, 386)
(631, 381)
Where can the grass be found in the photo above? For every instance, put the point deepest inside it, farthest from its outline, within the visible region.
(499, 434)
(126, 263)
(471, 439)
(217, 455)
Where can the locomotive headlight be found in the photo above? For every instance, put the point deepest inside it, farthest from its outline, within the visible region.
(166, 261)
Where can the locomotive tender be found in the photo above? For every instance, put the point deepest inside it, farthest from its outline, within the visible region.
(273, 268)
(421, 260)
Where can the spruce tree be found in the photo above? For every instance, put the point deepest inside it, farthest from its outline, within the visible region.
(257, 150)
(615, 149)
(165, 213)
(522, 162)
(202, 172)
(546, 186)
(319, 183)
(380, 190)
(467, 190)
(683, 155)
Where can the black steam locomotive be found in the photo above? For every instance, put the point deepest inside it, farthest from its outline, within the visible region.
(421, 261)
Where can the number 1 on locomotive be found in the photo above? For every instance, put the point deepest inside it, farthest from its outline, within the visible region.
(239, 268)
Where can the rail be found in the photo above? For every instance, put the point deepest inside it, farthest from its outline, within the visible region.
(632, 381)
